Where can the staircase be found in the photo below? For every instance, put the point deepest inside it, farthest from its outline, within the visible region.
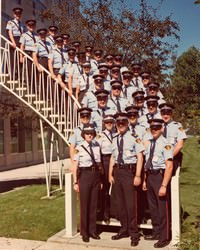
(42, 95)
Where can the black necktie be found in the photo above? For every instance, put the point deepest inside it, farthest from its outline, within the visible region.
(118, 104)
(111, 137)
(125, 91)
(149, 164)
(120, 144)
(133, 129)
(20, 28)
(136, 82)
(45, 43)
(91, 151)
(33, 37)
(87, 82)
(165, 130)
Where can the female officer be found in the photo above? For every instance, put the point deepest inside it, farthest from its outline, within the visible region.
(87, 178)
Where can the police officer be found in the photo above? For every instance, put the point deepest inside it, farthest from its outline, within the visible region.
(138, 100)
(41, 50)
(15, 28)
(109, 60)
(84, 81)
(88, 181)
(125, 173)
(98, 57)
(53, 30)
(75, 136)
(118, 60)
(90, 100)
(118, 103)
(105, 141)
(173, 131)
(103, 70)
(102, 110)
(153, 89)
(153, 113)
(115, 72)
(158, 167)
(136, 69)
(66, 38)
(146, 77)
(128, 89)
(88, 52)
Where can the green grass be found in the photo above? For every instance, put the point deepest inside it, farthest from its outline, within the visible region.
(23, 214)
(190, 195)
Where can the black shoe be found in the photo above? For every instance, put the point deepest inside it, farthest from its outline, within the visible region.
(134, 243)
(119, 236)
(151, 237)
(95, 236)
(161, 243)
(85, 238)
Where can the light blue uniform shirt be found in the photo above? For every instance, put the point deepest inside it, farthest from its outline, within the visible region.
(82, 156)
(41, 49)
(82, 81)
(66, 70)
(59, 57)
(130, 89)
(75, 137)
(105, 141)
(139, 130)
(90, 100)
(27, 39)
(14, 26)
(50, 39)
(143, 120)
(97, 117)
(163, 151)
(132, 146)
(122, 101)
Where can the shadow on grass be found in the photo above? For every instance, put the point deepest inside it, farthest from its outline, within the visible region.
(6, 186)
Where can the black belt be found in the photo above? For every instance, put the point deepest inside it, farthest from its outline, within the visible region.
(42, 57)
(125, 166)
(106, 155)
(156, 171)
(92, 168)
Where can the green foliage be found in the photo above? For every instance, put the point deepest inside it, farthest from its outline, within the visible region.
(140, 33)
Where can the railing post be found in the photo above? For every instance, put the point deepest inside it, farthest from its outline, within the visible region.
(175, 208)
(70, 207)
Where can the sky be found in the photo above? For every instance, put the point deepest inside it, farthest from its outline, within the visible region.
(186, 14)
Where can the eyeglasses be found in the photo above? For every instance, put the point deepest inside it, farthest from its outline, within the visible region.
(102, 98)
(139, 98)
(115, 71)
(116, 88)
(153, 88)
(98, 81)
(84, 116)
(71, 54)
(98, 54)
(127, 77)
(152, 104)
(155, 127)
(103, 71)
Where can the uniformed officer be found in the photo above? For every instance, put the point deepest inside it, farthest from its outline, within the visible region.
(109, 60)
(153, 113)
(66, 38)
(41, 50)
(53, 30)
(84, 82)
(118, 103)
(15, 28)
(77, 46)
(158, 167)
(118, 60)
(90, 100)
(125, 173)
(105, 140)
(87, 162)
(174, 133)
(103, 70)
(57, 57)
(88, 52)
(136, 129)
(75, 137)
(98, 57)
(128, 89)
(146, 77)
(153, 89)
(28, 39)
(102, 110)
(115, 72)
(138, 100)
(136, 69)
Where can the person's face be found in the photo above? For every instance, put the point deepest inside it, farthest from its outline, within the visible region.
(117, 60)
(59, 44)
(152, 90)
(42, 36)
(52, 33)
(115, 74)
(17, 15)
(89, 136)
(102, 101)
(71, 55)
(136, 71)
(65, 41)
(133, 118)
(145, 80)
(109, 61)
(152, 107)
(98, 56)
(85, 118)
(139, 101)
(98, 84)
(86, 69)
(109, 125)
(122, 126)
(156, 131)
(126, 80)
(88, 51)
(116, 90)
(166, 115)
(31, 27)
(103, 72)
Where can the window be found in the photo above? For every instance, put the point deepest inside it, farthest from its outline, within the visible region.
(14, 135)
(1, 136)
(47, 138)
(28, 134)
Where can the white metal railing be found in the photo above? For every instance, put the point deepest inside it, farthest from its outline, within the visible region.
(40, 93)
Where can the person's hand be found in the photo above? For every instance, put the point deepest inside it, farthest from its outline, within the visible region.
(144, 186)
(70, 93)
(137, 181)
(39, 69)
(21, 59)
(76, 188)
(111, 179)
(53, 76)
(162, 191)
(14, 45)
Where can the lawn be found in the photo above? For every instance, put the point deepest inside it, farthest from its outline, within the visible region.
(23, 214)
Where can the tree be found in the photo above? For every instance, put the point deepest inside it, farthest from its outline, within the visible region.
(184, 91)
(139, 34)
(197, 2)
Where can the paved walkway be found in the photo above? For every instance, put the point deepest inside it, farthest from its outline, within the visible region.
(59, 241)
